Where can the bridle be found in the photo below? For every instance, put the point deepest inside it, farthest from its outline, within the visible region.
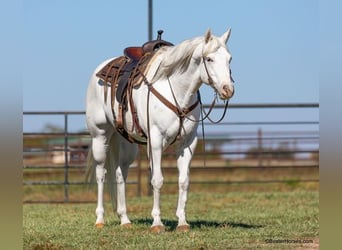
(211, 83)
(210, 80)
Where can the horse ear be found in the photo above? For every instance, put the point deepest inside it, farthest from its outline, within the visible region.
(225, 36)
(207, 36)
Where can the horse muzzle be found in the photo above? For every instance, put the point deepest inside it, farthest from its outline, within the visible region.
(226, 92)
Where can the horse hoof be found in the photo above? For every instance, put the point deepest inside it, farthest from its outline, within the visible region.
(157, 229)
(126, 225)
(99, 225)
(183, 228)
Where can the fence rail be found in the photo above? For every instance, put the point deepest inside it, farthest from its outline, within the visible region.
(233, 150)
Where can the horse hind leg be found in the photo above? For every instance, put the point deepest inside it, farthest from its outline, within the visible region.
(127, 155)
(99, 151)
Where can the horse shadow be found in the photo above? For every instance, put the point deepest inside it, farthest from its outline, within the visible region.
(197, 224)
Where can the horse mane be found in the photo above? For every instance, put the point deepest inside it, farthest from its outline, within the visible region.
(178, 57)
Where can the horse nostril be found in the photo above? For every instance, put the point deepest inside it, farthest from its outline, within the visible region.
(229, 92)
(226, 89)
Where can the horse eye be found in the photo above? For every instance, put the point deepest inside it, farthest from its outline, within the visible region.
(209, 59)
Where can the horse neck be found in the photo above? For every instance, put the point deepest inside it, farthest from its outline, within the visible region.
(185, 85)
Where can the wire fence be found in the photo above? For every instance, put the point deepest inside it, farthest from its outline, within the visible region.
(258, 149)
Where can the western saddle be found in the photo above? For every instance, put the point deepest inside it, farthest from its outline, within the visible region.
(123, 74)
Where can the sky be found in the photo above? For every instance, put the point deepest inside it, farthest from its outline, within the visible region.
(274, 45)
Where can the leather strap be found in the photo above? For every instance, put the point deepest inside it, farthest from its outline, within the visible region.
(180, 112)
(210, 80)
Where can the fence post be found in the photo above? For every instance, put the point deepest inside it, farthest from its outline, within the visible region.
(66, 160)
(139, 172)
(260, 148)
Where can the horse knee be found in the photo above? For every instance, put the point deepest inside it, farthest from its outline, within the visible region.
(100, 174)
(157, 183)
(119, 177)
(183, 183)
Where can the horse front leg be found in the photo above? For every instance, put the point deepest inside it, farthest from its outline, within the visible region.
(183, 164)
(157, 183)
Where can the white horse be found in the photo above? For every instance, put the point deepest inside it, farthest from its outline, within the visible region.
(176, 73)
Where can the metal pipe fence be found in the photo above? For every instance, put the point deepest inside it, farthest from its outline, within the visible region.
(233, 145)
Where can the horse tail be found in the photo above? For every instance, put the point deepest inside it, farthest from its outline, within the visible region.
(90, 168)
(110, 165)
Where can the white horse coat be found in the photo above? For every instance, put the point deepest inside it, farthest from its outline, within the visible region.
(177, 73)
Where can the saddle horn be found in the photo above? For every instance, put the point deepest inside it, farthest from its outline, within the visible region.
(160, 32)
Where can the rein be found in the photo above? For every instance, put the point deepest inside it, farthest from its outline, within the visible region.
(211, 108)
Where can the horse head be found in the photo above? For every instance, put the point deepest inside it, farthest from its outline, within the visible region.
(216, 60)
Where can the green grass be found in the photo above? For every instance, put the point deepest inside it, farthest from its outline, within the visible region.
(218, 221)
